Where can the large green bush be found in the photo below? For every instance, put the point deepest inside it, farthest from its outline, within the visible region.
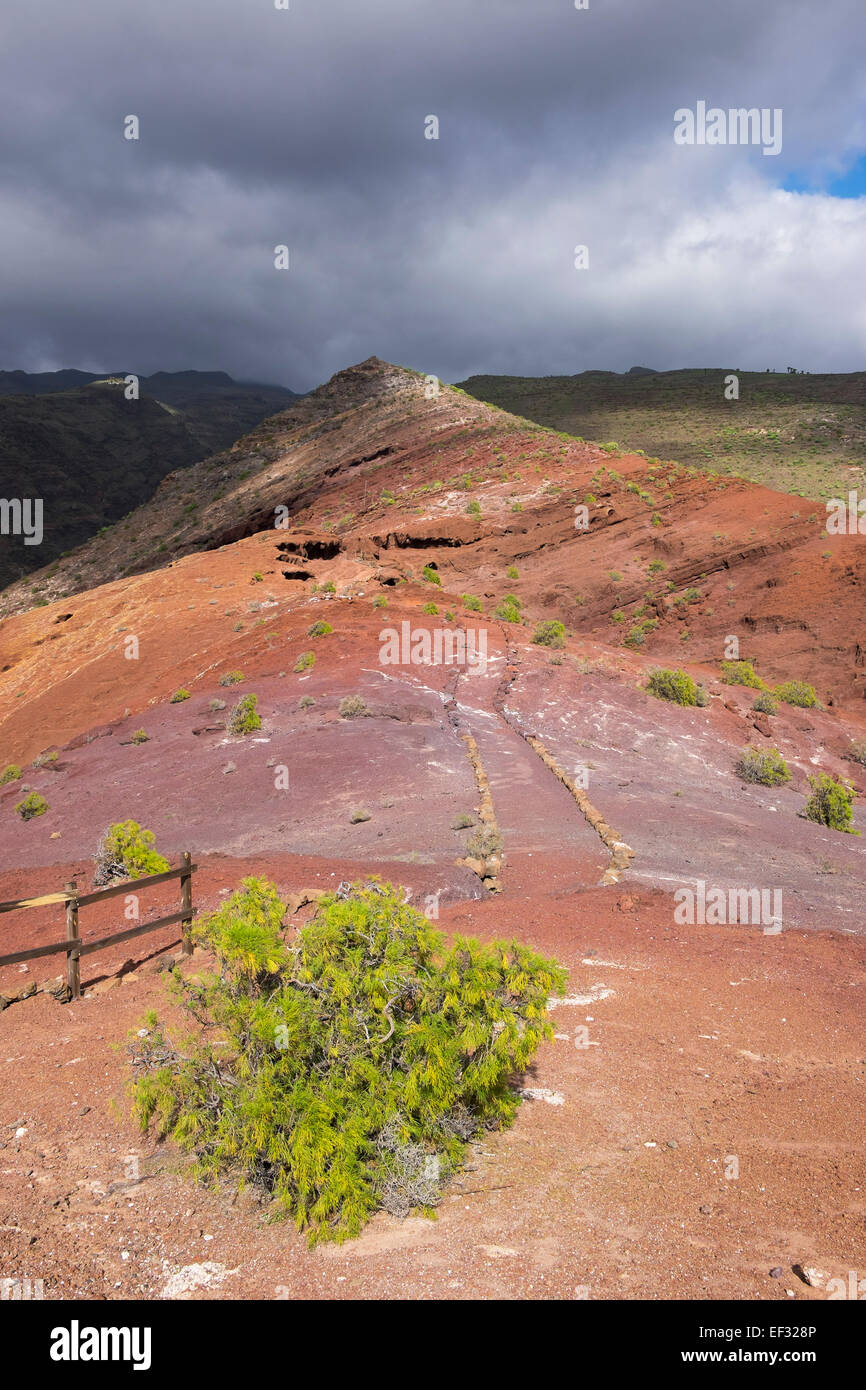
(126, 851)
(343, 1071)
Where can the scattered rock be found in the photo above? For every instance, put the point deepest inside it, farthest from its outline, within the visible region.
(105, 986)
(295, 901)
(776, 1272)
(812, 1275)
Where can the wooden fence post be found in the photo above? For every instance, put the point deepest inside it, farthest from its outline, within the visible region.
(73, 957)
(186, 904)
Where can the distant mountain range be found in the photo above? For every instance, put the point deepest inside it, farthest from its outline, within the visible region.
(73, 440)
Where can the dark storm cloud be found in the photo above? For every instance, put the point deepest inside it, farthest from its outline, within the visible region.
(260, 127)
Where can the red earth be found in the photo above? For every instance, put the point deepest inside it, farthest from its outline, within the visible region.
(706, 1129)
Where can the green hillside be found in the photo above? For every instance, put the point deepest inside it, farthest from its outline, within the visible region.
(798, 433)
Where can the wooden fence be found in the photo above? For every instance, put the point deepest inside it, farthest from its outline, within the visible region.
(75, 948)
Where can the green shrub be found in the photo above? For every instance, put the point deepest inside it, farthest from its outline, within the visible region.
(430, 609)
(742, 673)
(765, 704)
(766, 766)
(329, 587)
(10, 773)
(32, 806)
(484, 842)
(639, 631)
(380, 601)
(432, 576)
(126, 851)
(344, 1073)
(140, 736)
(472, 603)
(244, 718)
(830, 803)
(857, 752)
(306, 702)
(319, 629)
(657, 566)
(305, 661)
(353, 707)
(179, 696)
(231, 678)
(798, 693)
(473, 508)
(44, 759)
(511, 572)
(508, 610)
(549, 634)
(463, 821)
(673, 685)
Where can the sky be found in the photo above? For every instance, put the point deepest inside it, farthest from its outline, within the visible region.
(307, 127)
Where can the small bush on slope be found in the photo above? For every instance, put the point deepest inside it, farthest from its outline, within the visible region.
(673, 685)
(765, 766)
(126, 851)
(33, 805)
(742, 673)
(353, 707)
(355, 1063)
(798, 693)
(508, 610)
(244, 718)
(765, 703)
(549, 634)
(830, 803)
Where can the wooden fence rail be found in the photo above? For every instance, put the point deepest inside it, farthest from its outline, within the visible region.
(73, 946)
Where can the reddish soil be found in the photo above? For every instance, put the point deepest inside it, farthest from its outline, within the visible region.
(715, 1041)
